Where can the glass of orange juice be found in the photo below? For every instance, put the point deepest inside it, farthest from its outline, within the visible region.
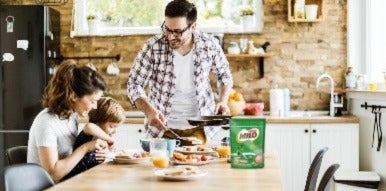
(159, 153)
(224, 150)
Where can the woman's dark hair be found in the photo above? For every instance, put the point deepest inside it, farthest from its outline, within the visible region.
(182, 8)
(68, 81)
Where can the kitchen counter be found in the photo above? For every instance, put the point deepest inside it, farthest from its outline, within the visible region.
(296, 117)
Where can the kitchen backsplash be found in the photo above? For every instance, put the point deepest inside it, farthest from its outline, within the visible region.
(301, 52)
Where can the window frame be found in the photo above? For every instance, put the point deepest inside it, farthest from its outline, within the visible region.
(79, 24)
(360, 47)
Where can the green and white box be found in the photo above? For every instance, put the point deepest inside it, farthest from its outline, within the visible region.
(247, 142)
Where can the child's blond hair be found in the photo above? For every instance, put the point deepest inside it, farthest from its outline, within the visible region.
(108, 110)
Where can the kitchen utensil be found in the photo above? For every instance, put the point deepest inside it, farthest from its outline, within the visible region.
(377, 126)
(210, 120)
(112, 69)
(193, 140)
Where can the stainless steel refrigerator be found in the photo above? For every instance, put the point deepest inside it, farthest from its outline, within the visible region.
(29, 43)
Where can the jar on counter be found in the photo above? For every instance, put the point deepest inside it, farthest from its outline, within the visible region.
(350, 78)
(233, 48)
(361, 83)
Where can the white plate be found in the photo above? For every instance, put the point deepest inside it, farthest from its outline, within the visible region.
(161, 174)
(193, 151)
(131, 161)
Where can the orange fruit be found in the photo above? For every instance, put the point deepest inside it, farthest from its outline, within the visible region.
(238, 97)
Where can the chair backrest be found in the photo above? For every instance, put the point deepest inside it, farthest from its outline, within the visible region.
(27, 176)
(17, 154)
(325, 182)
(313, 171)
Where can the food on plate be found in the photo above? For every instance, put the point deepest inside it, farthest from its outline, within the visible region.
(190, 158)
(179, 156)
(182, 171)
(131, 155)
(199, 148)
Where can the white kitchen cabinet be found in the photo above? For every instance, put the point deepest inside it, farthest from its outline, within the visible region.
(128, 135)
(297, 145)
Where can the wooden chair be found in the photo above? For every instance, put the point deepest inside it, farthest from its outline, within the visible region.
(325, 182)
(313, 171)
(17, 155)
(27, 176)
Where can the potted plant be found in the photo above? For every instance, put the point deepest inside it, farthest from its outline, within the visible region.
(93, 24)
(247, 17)
(246, 11)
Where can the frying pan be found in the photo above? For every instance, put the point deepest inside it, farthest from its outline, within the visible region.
(210, 120)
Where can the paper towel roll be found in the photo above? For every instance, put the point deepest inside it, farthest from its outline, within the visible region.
(276, 102)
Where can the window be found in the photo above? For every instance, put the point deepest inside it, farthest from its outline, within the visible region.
(125, 17)
(376, 40)
(366, 38)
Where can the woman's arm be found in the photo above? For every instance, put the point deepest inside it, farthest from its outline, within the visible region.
(96, 131)
(59, 168)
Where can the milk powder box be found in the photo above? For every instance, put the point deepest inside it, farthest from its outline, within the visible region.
(247, 142)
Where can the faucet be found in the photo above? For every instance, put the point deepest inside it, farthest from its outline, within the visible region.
(332, 103)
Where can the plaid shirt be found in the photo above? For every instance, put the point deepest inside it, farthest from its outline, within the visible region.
(154, 66)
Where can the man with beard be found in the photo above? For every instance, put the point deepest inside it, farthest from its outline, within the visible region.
(176, 65)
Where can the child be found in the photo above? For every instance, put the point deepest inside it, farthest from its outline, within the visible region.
(103, 122)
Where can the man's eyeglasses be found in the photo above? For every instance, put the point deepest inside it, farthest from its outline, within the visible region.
(176, 33)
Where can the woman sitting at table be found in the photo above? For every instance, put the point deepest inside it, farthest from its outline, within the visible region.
(72, 92)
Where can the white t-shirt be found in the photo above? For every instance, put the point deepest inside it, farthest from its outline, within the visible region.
(184, 101)
(48, 130)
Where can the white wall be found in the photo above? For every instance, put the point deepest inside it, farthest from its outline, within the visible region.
(369, 158)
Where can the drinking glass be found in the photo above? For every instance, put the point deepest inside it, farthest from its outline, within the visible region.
(243, 45)
(159, 153)
(224, 149)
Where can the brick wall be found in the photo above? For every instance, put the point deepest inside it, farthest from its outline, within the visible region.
(302, 52)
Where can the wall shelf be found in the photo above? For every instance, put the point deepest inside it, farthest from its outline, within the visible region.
(260, 57)
(319, 17)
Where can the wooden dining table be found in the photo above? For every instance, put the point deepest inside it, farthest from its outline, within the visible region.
(220, 177)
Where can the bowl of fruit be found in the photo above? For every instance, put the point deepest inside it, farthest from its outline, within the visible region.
(236, 103)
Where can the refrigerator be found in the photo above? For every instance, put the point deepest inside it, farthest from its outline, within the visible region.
(29, 44)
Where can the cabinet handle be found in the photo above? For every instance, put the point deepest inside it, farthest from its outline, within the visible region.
(139, 130)
(314, 130)
(306, 130)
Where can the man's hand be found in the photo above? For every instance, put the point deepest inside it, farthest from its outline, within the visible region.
(156, 119)
(222, 108)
